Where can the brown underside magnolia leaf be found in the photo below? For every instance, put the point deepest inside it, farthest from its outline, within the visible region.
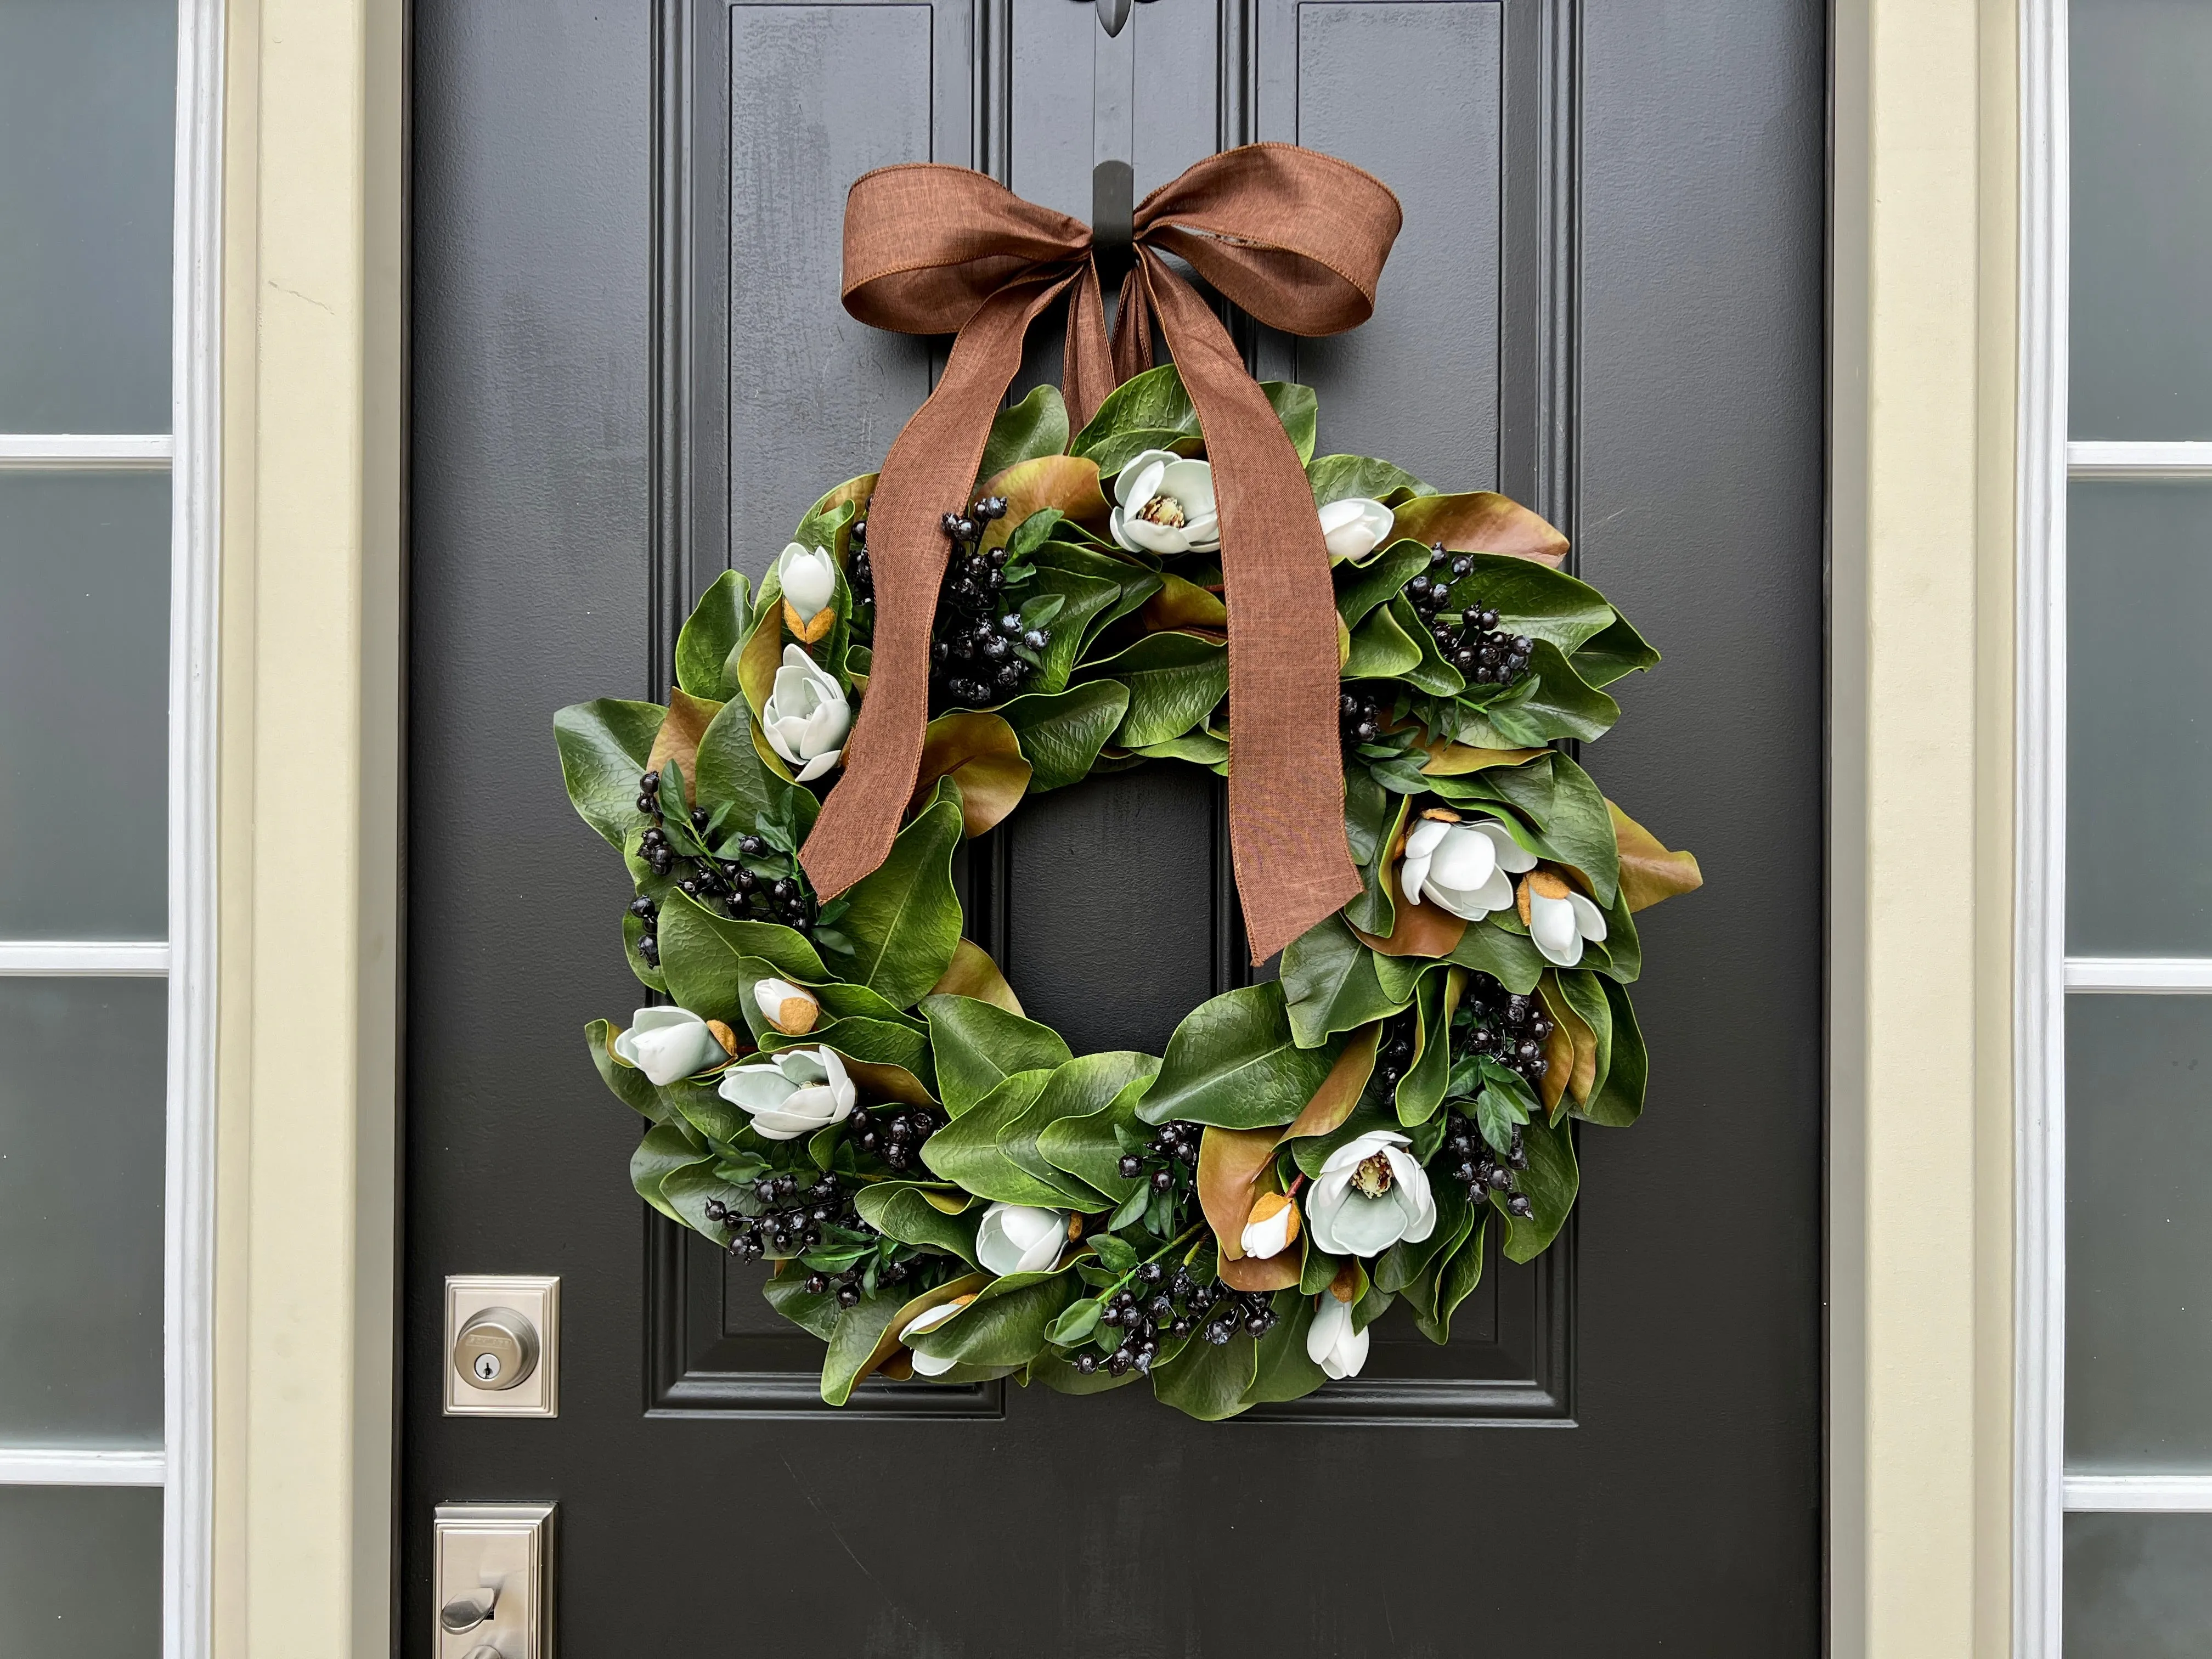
(856, 490)
(1648, 872)
(890, 1349)
(1275, 1272)
(1569, 1053)
(1069, 483)
(1452, 760)
(885, 1081)
(1180, 603)
(1420, 930)
(973, 974)
(1481, 521)
(981, 752)
(1340, 1090)
(1230, 1164)
(678, 737)
(758, 659)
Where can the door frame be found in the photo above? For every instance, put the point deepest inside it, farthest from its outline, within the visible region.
(1923, 281)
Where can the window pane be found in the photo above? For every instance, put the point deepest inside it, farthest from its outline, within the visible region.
(2139, 1233)
(84, 652)
(2138, 1586)
(2139, 744)
(2142, 219)
(80, 1572)
(87, 95)
(81, 1105)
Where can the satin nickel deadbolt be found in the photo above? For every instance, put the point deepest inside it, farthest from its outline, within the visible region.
(493, 1581)
(501, 1345)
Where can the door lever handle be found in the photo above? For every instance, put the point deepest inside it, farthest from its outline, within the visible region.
(465, 1613)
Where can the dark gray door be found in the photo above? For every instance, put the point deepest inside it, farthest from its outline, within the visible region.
(630, 370)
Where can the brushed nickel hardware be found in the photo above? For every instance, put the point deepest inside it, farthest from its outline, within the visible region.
(493, 1581)
(502, 1345)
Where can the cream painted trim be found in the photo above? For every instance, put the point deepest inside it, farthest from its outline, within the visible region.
(1920, 829)
(309, 835)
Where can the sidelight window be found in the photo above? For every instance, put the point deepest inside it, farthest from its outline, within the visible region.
(2116, 1430)
(107, 111)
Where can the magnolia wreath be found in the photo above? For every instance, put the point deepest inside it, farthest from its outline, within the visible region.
(839, 1083)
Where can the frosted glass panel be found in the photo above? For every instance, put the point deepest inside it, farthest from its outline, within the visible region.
(80, 1572)
(84, 651)
(2142, 219)
(2139, 753)
(81, 1099)
(2139, 1234)
(87, 98)
(2138, 1586)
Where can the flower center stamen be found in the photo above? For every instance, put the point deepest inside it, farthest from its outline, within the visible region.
(1163, 510)
(1373, 1177)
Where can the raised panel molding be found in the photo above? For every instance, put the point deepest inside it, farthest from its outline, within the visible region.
(755, 356)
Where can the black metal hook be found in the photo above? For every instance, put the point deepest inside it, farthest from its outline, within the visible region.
(1114, 15)
(1112, 220)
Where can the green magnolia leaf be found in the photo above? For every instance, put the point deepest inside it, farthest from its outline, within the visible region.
(853, 1345)
(1282, 1371)
(1362, 588)
(1151, 410)
(698, 1105)
(1619, 1100)
(714, 629)
(1551, 700)
(870, 1041)
(1036, 426)
(626, 1083)
(1457, 1274)
(1433, 674)
(1079, 1089)
(1075, 1323)
(1583, 993)
(1174, 680)
(1573, 825)
(1208, 1382)
(1082, 599)
(1062, 732)
(1339, 478)
(1507, 957)
(666, 1148)
(736, 790)
(814, 1312)
(1549, 1183)
(1310, 1152)
(1619, 650)
(1298, 409)
(1090, 1147)
(604, 745)
(1006, 1324)
(1381, 649)
(1329, 984)
(904, 918)
(1404, 1263)
(703, 955)
(1234, 1063)
(1137, 580)
(899, 1209)
(1421, 1090)
(967, 1151)
(1533, 599)
(978, 1046)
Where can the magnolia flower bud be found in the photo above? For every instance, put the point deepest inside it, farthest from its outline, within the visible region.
(791, 1093)
(1020, 1239)
(1332, 1343)
(806, 715)
(1273, 1228)
(669, 1043)
(1354, 527)
(1558, 918)
(928, 1320)
(791, 1009)
(808, 576)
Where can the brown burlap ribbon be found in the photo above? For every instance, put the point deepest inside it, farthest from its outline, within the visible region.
(1294, 238)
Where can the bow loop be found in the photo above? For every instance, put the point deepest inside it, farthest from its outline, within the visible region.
(1297, 239)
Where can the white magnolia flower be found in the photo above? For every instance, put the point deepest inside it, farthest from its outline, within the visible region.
(1273, 1227)
(1164, 504)
(1020, 1239)
(808, 576)
(1331, 1343)
(1354, 527)
(1462, 868)
(928, 1320)
(806, 715)
(1558, 918)
(1370, 1194)
(668, 1043)
(791, 1009)
(791, 1093)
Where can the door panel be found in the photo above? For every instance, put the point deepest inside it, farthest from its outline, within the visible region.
(632, 372)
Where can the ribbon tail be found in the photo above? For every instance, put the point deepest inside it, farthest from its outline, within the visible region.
(1294, 868)
(1087, 366)
(1132, 325)
(928, 473)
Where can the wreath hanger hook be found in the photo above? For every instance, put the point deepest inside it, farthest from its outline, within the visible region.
(1114, 15)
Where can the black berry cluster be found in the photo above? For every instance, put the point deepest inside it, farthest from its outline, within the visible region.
(849, 1283)
(790, 1219)
(974, 652)
(1359, 717)
(1502, 1025)
(1171, 1161)
(897, 1139)
(1468, 640)
(1159, 1305)
(860, 574)
(1394, 1052)
(743, 894)
(1477, 1166)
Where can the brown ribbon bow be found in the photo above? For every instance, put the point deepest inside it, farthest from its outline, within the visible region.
(1294, 238)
